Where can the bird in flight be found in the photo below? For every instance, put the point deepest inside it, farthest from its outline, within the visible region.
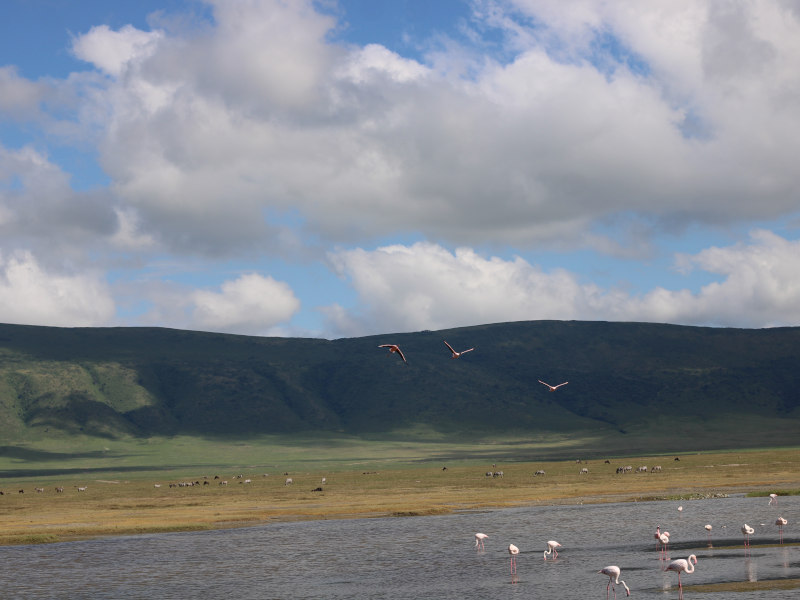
(457, 354)
(553, 388)
(394, 348)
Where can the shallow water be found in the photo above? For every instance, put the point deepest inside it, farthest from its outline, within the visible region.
(426, 557)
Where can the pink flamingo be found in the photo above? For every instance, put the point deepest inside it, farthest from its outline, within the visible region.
(513, 551)
(747, 531)
(773, 499)
(457, 354)
(657, 535)
(682, 566)
(479, 537)
(664, 539)
(708, 530)
(780, 522)
(551, 548)
(613, 572)
(553, 388)
(394, 348)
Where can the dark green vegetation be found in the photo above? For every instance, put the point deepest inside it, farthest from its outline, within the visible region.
(633, 388)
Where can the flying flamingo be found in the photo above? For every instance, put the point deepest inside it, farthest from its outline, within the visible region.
(457, 354)
(780, 523)
(513, 551)
(479, 537)
(551, 548)
(747, 531)
(708, 529)
(613, 572)
(553, 388)
(394, 348)
(773, 499)
(682, 566)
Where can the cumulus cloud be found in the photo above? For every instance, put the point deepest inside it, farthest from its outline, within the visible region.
(424, 286)
(250, 303)
(601, 110)
(31, 295)
(19, 97)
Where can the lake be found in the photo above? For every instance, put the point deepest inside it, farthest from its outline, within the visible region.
(426, 557)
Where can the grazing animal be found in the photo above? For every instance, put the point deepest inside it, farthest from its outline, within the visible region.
(656, 469)
(747, 531)
(82, 488)
(513, 551)
(39, 490)
(773, 499)
(394, 348)
(324, 481)
(288, 481)
(551, 549)
(457, 354)
(539, 472)
(553, 388)
(59, 490)
(584, 471)
(156, 485)
(780, 522)
(613, 573)
(682, 566)
(479, 537)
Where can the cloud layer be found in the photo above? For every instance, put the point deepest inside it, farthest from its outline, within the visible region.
(262, 132)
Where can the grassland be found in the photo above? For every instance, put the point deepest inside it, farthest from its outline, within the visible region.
(364, 479)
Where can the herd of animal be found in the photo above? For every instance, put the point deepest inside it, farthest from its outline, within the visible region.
(613, 572)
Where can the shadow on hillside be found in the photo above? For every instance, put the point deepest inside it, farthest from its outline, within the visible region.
(39, 455)
(47, 472)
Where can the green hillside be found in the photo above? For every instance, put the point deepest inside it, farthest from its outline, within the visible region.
(658, 384)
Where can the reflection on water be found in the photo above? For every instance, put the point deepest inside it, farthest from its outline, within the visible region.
(425, 557)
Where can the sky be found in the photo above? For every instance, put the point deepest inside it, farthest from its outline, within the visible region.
(340, 168)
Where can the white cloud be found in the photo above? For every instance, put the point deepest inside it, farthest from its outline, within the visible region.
(251, 303)
(113, 51)
(31, 295)
(19, 97)
(424, 286)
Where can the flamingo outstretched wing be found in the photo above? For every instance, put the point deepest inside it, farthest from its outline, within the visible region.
(394, 348)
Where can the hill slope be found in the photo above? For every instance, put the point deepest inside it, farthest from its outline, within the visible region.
(625, 379)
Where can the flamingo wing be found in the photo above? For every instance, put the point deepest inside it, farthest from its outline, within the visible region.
(547, 384)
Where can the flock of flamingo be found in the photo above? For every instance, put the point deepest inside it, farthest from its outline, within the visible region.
(679, 566)
(395, 349)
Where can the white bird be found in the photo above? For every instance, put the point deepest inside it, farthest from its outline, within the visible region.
(394, 348)
(747, 531)
(457, 354)
(708, 529)
(513, 551)
(553, 388)
(773, 499)
(682, 566)
(613, 572)
(551, 549)
(780, 522)
(479, 537)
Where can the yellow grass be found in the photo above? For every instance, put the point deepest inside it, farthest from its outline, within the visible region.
(134, 505)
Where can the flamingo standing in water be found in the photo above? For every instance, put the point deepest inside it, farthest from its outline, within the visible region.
(394, 348)
(553, 388)
(773, 499)
(479, 537)
(513, 551)
(708, 529)
(613, 573)
(551, 548)
(664, 539)
(747, 531)
(780, 522)
(682, 566)
(457, 354)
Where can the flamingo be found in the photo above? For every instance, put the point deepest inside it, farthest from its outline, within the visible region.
(780, 522)
(457, 354)
(773, 499)
(613, 572)
(553, 388)
(394, 348)
(551, 548)
(513, 551)
(479, 537)
(708, 529)
(747, 531)
(657, 535)
(682, 566)
(664, 539)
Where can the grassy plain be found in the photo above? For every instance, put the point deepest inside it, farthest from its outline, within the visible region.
(364, 479)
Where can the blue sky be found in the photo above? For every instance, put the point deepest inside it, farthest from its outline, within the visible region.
(348, 167)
